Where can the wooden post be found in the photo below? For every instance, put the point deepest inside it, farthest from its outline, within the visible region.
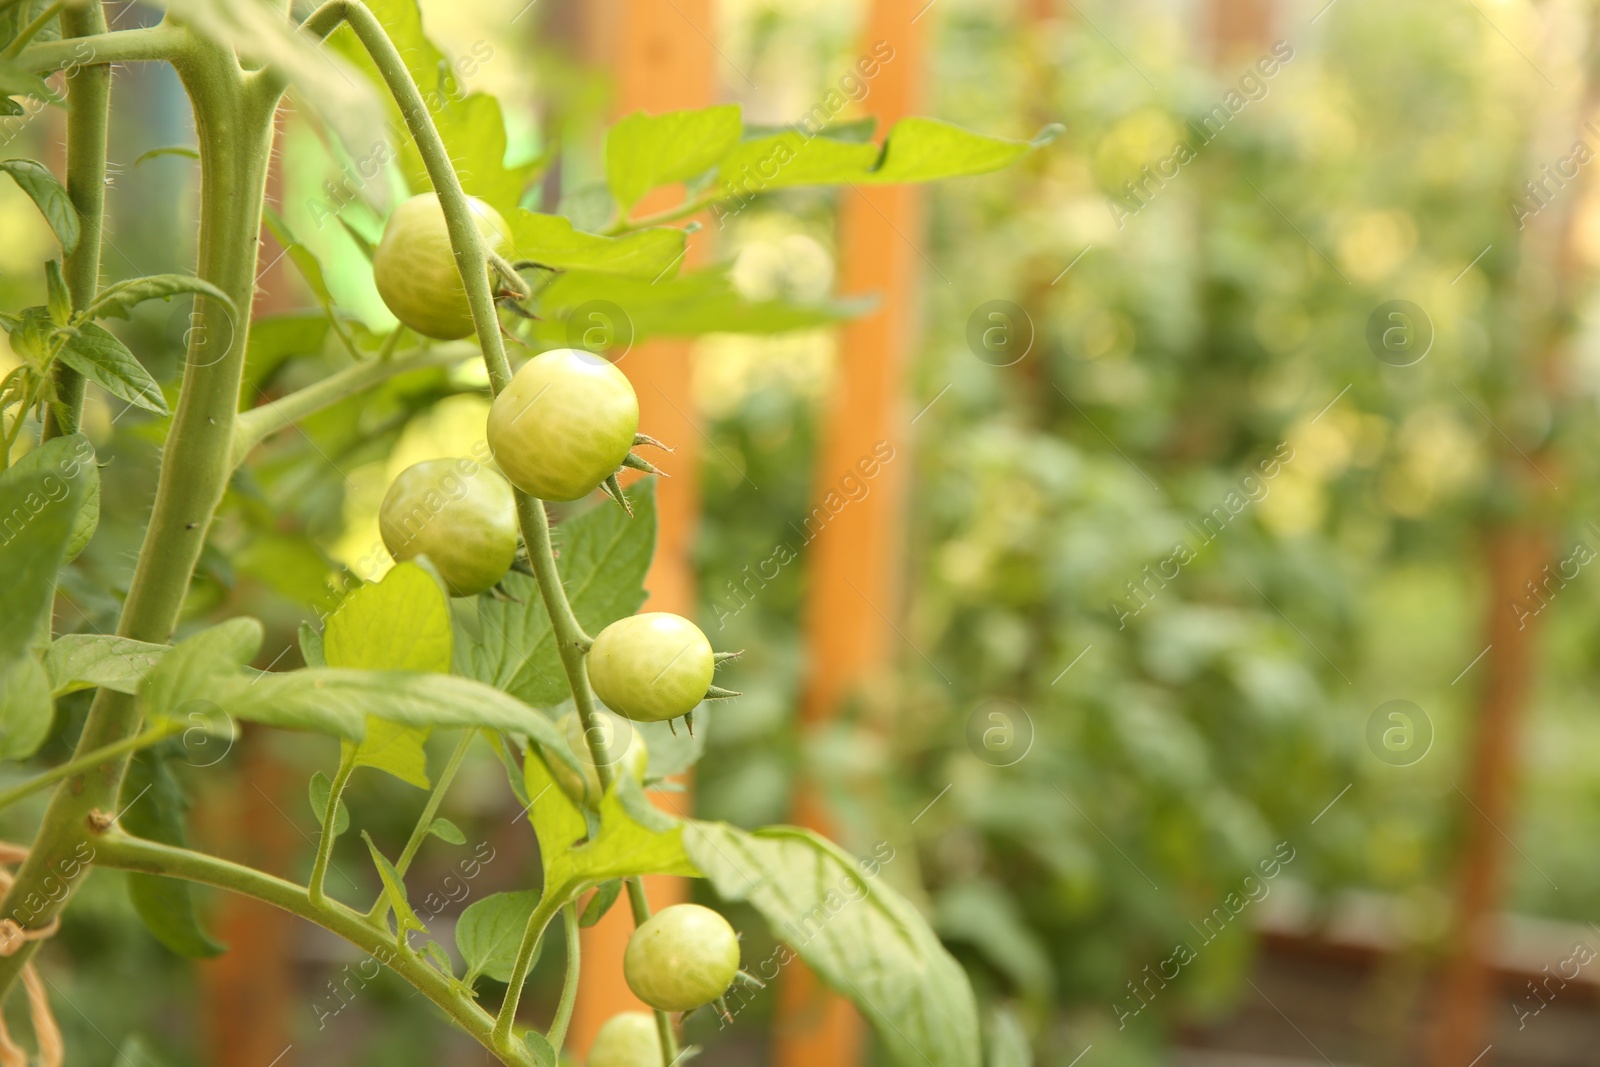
(854, 577)
(661, 59)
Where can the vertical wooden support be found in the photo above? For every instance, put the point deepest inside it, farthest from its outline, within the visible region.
(854, 577)
(661, 59)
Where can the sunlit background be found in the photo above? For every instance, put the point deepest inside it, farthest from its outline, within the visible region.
(1228, 505)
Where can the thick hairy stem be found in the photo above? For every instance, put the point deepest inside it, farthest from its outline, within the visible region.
(88, 109)
(118, 850)
(234, 127)
(473, 262)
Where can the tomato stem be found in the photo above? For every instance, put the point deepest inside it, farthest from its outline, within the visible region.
(330, 815)
(88, 115)
(557, 1034)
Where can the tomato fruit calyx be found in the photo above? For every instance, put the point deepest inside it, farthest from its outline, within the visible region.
(625, 749)
(651, 667)
(681, 958)
(459, 514)
(627, 1039)
(414, 265)
(563, 424)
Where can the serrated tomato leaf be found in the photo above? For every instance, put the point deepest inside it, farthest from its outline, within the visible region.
(96, 354)
(34, 177)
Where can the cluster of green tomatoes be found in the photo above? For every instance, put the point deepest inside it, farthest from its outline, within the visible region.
(563, 426)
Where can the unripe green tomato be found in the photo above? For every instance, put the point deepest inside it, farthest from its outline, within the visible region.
(628, 1039)
(461, 515)
(652, 666)
(681, 957)
(563, 424)
(415, 267)
(628, 755)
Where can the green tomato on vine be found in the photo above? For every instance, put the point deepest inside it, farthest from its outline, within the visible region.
(651, 667)
(681, 958)
(628, 1039)
(459, 514)
(563, 424)
(415, 269)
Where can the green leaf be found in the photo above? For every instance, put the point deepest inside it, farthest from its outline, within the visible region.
(1007, 1040)
(320, 790)
(58, 300)
(471, 125)
(604, 556)
(38, 514)
(200, 664)
(605, 895)
(37, 181)
(862, 938)
(645, 151)
(63, 459)
(395, 888)
(916, 150)
(439, 957)
(633, 838)
(303, 258)
(263, 38)
(400, 623)
(926, 150)
(152, 807)
(686, 306)
(539, 1048)
(490, 931)
(982, 914)
(96, 354)
(791, 158)
(115, 300)
(26, 708)
(310, 641)
(18, 81)
(275, 339)
(84, 661)
(446, 830)
(553, 241)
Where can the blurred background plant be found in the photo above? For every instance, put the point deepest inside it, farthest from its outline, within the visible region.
(1178, 552)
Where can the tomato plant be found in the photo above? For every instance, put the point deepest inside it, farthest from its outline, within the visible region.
(387, 665)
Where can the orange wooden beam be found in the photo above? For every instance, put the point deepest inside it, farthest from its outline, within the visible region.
(855, 582)
(660, 56)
